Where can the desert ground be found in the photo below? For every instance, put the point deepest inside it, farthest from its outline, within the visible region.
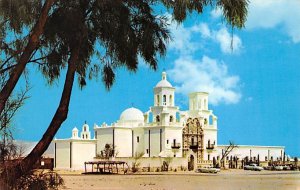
(229, 179)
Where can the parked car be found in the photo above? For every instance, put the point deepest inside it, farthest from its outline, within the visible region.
(279, 168)
(208, 170)
(286, 167)
(268, 168)
(254, 167)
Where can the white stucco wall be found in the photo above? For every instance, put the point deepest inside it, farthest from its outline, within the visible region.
(82, 152)
(138, 146)
(172, 133)
(104, 136)
(155, 142)
(72, 153)
(123, 142)
(62, 154)
(209, 134)
(264, 151)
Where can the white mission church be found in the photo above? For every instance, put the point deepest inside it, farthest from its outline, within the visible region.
(163, 131)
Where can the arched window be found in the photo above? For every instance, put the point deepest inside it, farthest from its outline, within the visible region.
(171, 100)
(157, 100)
(164, 100)
(157, 118)
(171, 118)
(84, 129)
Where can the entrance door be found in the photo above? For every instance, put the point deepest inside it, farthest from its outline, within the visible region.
(191, 163)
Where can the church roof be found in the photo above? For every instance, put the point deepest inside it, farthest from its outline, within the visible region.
(132, 114)
(163, 82)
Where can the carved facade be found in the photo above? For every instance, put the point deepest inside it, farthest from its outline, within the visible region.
(193, 138)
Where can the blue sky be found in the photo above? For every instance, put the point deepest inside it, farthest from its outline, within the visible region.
(253, 86)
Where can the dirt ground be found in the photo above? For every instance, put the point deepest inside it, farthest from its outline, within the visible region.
(230, 179)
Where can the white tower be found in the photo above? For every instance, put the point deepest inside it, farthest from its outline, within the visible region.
(85, 133)
(164, 109)
(198, 101)
(75, 133)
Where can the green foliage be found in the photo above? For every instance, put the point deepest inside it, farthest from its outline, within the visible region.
(16, 14)
(39, 180)
(107, 152)
(114, 32)
(136, 163)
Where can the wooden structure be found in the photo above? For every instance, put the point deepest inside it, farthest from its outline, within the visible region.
(106, 166)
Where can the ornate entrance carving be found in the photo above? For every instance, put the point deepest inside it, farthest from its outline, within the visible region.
(192, 137)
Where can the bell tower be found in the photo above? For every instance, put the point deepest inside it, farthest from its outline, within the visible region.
(164, 109)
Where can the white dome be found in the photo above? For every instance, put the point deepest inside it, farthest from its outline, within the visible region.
(75, 129)
(132, 114)
(163, 82)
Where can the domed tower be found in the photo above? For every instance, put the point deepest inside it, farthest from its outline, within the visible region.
(132, 117)
(75, 133)
(85, 133)
(164, 109)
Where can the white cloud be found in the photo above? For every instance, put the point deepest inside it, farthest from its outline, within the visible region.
(216, 13)
(184, 39)
(228, 44)
(207, 75)
(275, 13)
(203, 29)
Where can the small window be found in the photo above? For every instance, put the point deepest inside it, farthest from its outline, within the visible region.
(157, 118)
(83, 136)
(164, 100)
(138, 139)
(266, 158)
(95, 134)
(167, 141)
(147, 150)
(227, 158)
(171, 119)
(208, 157)
(84, 129)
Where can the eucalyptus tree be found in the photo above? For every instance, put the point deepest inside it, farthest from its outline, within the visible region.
(116, 32)
(15, 16)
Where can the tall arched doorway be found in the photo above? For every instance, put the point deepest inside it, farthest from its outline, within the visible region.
(191, 163)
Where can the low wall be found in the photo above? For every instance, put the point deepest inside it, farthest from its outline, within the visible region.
(154, 164)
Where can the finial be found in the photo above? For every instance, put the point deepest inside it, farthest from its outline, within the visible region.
(85, 122)
(164, 75)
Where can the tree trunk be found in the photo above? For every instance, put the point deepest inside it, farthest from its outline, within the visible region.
(32, 44)
(60, 116)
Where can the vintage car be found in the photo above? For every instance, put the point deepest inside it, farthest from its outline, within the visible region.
(278, 168)
(254, 167)
(208, 169)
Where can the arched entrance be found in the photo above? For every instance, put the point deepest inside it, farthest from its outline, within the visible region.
(191, 163)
